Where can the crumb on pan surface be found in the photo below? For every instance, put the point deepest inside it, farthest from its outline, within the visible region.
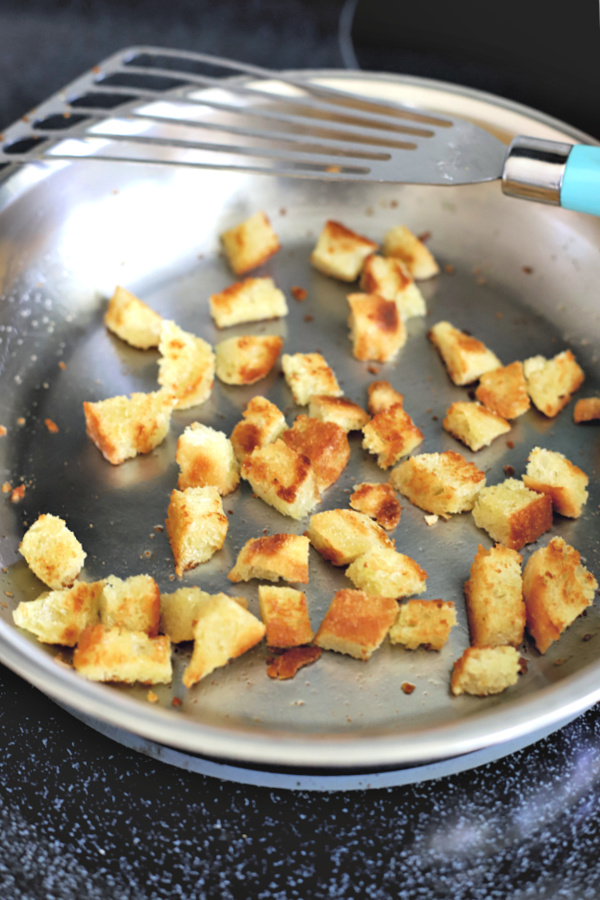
(504, 391)
(356, 623)
(251, 300)
(340, 252)
(390, 278)
(473, 424)
(339, 410)
(273, 557)
(440, 483)
(247, 359)
(385, 572)
(116, 654)
(132, 320)
(287, 664)
(465, 357)
(512, 514)
(284, 612)
(180, 609)
(401, 243)
(186, 367)
(482, 671)
(587, 410)
(262, 423)
(282, 478)
(196, 526)
(423, 623)
(324, 443)
(551, 382)
(123, 427)
(206, 459)
(250, 244)
(377, 330)
(550, 472)
(307, 374)
(52, 551)
(59, 617)
(390, 435)
(494, 598)
(379, 502)
(340, 535)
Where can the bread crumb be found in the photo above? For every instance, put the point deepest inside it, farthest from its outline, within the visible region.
(298, 293)
(51, 426)
(17, 494)
(2, 431)
(151, 697)
(62, 365)
(176, 701)
(6, 487)
(431, 520)
(407, 687)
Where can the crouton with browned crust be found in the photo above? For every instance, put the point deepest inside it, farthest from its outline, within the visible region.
(504, 391)
(282, 478)
(440, 483)
(377, 330)
(465, 358)
(512, 514)
(325, 444)
(379, 502)
(247, 359)
(341, 535)
(262, 423)
(340, 252)
(250, 244)
(356, 623)
(285, 614)
(494, 598)
(272, 557)
(423, 623)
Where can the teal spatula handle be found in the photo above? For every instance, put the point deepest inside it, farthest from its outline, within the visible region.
(580, 188)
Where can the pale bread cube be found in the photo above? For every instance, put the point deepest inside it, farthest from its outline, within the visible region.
(341, 252)
(186, 366)
(391, 434)
(250, 244)
(387, 573)
(494, 598)
(382, 396)
(224, 631)
(339, 410)
(132, 320)
(512, 514)
(587, 410)
(423, 623)
(116, 654)
(122, 427)
(465, 358)
(440, 483)
(262, 424)
(504, 391)
(482, 671)
(549, 472)
(179, 611)
(379, 502)
(59, 617)
(196, 525)
(390, 278)
(557, 588)
(247, 359)
(285, 614)
(273, 557)
(550, 382)
(341, 535)
(282, 478)
(307, 374)
(132, 603)
(356, 623)
(401, 243)
(206, 459)
(474, 424)
(52, 551)
(376, 327)
(251, 300)
(324, 443)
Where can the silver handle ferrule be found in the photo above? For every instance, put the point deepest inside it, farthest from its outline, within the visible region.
(534, 169)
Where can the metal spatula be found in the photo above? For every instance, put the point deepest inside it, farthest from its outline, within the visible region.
(148, 104)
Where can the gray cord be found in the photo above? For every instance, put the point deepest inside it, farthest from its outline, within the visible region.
(345, 35)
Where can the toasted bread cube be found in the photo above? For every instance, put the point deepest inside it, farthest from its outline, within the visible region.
(402, 244)
(377, 331)
(121, 427)
(186, 366)
(512, 514)
(423, 623)
(308, 374)
(440, 483)
(391, 434)
(251, 300)
(387, 573)
(132, 320)
(485, 670)
(224, 631)
(382, 396)
(551, 382)
(52, 551)
(285, 614)
(587, 410)
(504, 391)
(341, 252)
(196, 525)
(339, 410)
(247, 359)
(325, 444)
(341, 535)
(250, 244)
(379, 502)
(464, 356)
(133, 603)
(273, 557)
(262, 424)
(282, 478)
(549, 472)
(494, 596)
(356, 623)
(179, 611)
(59, 617)
(474, 424)
(117, 654)
(205, 458)
(557, 588)
(389, 278)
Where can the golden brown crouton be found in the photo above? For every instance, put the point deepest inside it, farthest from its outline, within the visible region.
(401, 243)
(465, 357)
(356, 623)
(552, 473)
(116, 654)
(59, 617)
(133, 603)
(131, 320)
(391, 434)
(386, 573)
(247, 359)
(381, 396)
(52, 551)
(379, 502)
(250, 244)
(377, 331)
(122, 427)
(494, 595)
(587, 410)
(287, 664)
(196, 525)
(251, 300)
(179, 611)
(389, 278)
(325, 444)
(340, 535)
(474, 424)
(341, 252)
(504, 391)
(343, 412)
(273, 557)
(205, 458)
(440, 483)
(224, 631)
(557, 588)
(186, 366)
(550, 382)
(262, 424)
(285, 614)
(512, 514)
(423, 623)
(485, 670)
(282, 478)
(307, 374)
